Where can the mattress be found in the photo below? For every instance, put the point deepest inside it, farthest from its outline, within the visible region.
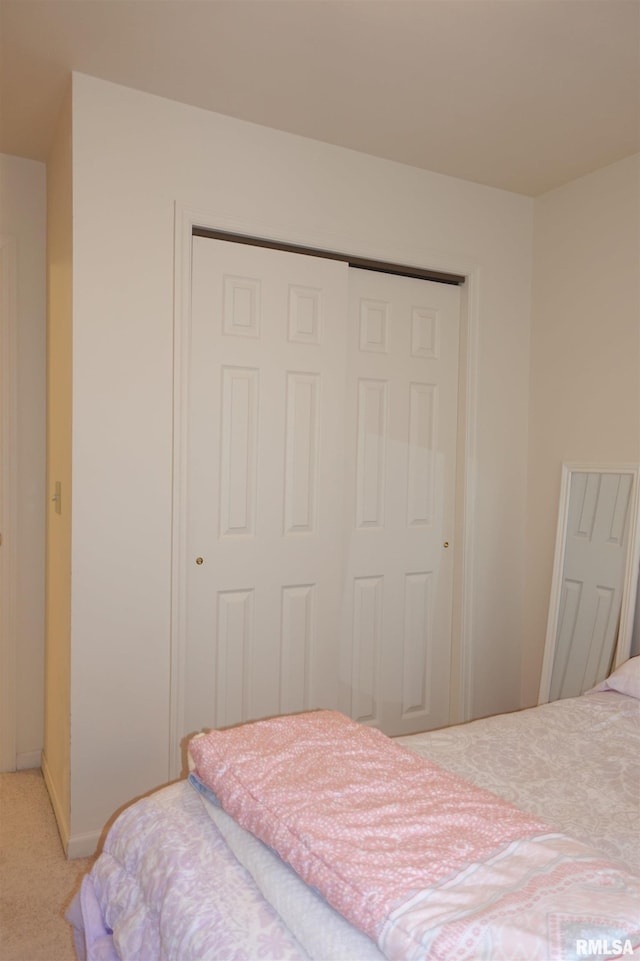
(180, 879)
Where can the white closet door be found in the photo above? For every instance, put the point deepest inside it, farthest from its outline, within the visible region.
(265, 496)
(402, 415)
(321, 436)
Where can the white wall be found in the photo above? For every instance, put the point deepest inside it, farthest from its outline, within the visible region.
(23, 216)
(134, 156)
(585, 359)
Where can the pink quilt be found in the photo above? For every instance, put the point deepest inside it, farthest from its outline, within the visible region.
(426, 864)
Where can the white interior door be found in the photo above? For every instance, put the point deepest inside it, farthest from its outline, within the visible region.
(321, 436)
(592, 580)
(265, 496)
(402, 413)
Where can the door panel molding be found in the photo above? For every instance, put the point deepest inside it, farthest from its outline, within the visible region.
(187, 220)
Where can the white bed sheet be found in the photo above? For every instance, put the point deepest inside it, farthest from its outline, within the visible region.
(575, 763)
(318, 927)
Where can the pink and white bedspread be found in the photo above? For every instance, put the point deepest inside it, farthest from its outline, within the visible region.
(424, 863)
(167, 888)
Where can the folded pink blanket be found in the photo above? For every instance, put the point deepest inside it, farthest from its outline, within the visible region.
(362, 819)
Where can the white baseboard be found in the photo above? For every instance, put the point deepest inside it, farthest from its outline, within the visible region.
(83, 845)
(28, 759)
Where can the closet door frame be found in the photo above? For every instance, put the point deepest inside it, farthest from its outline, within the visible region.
(186, 219)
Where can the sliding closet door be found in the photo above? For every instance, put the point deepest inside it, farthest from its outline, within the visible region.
(320, 452)
(265, 464)
(402, 412)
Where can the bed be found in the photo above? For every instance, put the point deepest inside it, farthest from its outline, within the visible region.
(310, 836)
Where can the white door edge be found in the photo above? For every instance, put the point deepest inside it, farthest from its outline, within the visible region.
(186, 218)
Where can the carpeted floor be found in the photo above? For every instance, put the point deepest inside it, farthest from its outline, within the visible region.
(36, 880)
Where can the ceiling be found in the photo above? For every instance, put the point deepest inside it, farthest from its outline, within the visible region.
(519, 94)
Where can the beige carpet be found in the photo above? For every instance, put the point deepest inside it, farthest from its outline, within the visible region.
(36, 880)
